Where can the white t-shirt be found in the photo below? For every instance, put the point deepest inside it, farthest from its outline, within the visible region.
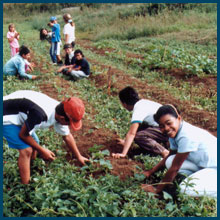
(143, 112)
(35, 109)
(70, 30)
(200, 143)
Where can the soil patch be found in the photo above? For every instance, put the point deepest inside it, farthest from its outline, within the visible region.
(198, 117)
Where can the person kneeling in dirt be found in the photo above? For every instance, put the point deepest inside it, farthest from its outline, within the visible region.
(25, 111)
(18, 65)
(80, 69)
(143, 130)
(69, 58)
(193, 153)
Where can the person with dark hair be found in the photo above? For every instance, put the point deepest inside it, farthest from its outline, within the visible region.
(47, 35)
(80, 69)
(26, 111)
(18, 64)
(144, 131)
(69, 58)
(193, 153)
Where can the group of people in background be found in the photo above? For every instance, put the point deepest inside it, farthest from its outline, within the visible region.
(186, 150)
(75, 64)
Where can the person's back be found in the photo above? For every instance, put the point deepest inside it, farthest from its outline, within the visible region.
(56, 33)
(70, 30)
(143, 112)
(143, 130)
(13, 65)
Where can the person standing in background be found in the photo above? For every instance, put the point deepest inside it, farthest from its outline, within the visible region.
(69, 30)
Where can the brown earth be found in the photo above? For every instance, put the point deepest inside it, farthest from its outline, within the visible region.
(90, 135)
(198, 117)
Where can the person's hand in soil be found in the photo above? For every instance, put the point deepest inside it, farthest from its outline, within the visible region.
(83, 160)
(118, 155)
(148, 188)
(147, 173)
(47, 154)
(34, 77)
(120, 141)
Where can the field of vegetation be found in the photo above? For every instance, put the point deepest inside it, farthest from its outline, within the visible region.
(168, 52)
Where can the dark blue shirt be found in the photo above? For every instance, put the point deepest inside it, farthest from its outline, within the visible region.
(84, 65)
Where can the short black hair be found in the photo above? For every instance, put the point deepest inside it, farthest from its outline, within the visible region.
(78, 51)
(129, 96)
(23, 50)
(60, 111)
(164, 110)
(67, 46)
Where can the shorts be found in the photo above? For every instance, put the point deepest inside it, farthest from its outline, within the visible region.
(11, 134)
(56, 48)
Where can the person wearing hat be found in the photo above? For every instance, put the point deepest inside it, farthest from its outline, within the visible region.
(69, 58)
(56, 39)
(26, 111)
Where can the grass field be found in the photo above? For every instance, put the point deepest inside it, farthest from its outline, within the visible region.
(169, 57)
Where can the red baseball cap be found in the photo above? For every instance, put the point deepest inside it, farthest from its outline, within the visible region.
(74, 109)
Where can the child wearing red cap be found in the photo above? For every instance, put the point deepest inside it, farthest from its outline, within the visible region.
(26, 111)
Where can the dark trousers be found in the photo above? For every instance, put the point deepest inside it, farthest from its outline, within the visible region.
(151, 139)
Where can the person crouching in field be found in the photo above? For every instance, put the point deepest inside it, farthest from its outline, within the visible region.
(80, 69)
(18, 65)
(143, 130)
(193, 153)
(47, 35)
(26, 111)
(56, 39)
(69, 58)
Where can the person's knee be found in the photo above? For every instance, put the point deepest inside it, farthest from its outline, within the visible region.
(26, 153)
(169, 161)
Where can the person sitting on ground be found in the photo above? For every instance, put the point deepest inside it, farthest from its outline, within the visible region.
(56, 39)
(143, 130)
(69, 58)
(26, 111)
(18, 65)
(193, 153)
(47, 35)
(80, 69)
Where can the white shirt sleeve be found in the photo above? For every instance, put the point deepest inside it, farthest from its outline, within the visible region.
(61, 129)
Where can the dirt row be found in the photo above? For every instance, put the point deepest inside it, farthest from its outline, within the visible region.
(198, 117)
(86, 139)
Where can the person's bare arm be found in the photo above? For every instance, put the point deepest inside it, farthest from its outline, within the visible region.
(70, 142)
(45, 153)
(128, 140)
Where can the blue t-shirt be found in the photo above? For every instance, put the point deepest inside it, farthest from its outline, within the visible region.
(200, 143)
(16, 65)
(55, 33)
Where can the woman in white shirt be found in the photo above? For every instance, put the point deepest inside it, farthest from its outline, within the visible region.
(69, 29)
